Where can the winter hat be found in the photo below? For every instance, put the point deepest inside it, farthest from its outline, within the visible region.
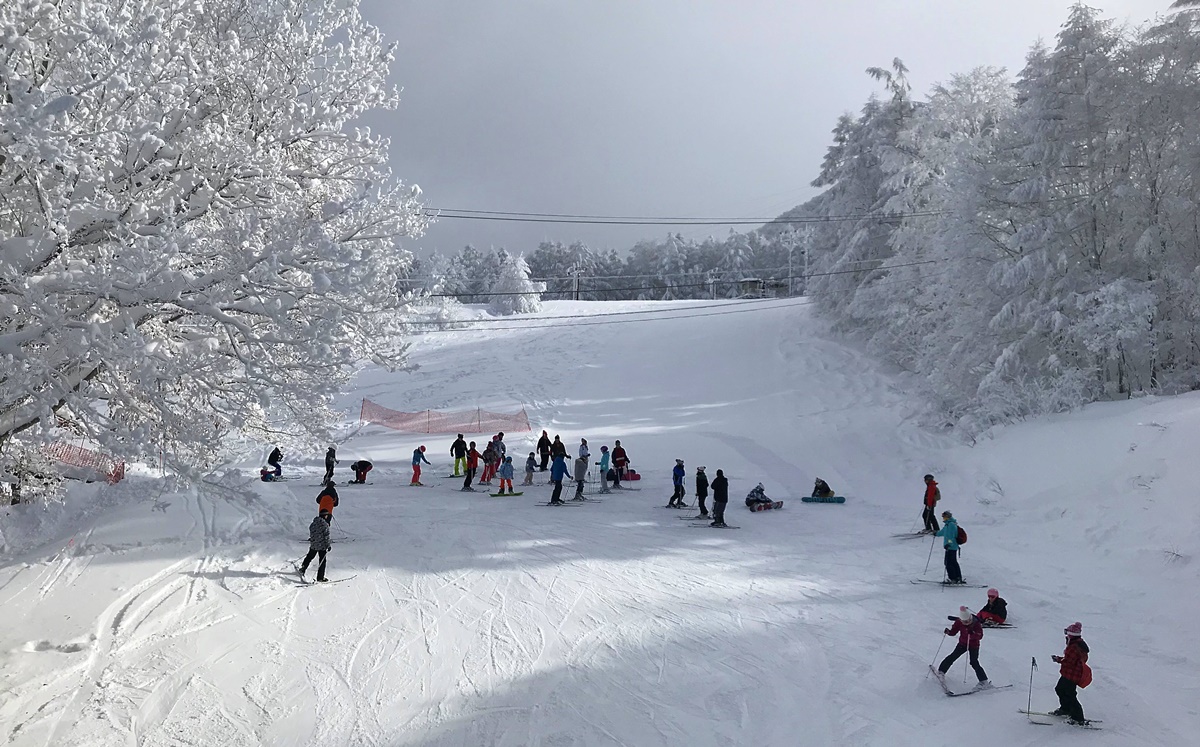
(422, 448)
(699, 469)
(993, 593)
(965, 614)
(1074, 630)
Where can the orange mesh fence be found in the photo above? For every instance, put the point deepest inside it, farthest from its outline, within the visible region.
(432, 421)
(77, 456)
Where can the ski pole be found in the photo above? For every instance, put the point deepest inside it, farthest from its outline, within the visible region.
(931, 544)
(1032, 666)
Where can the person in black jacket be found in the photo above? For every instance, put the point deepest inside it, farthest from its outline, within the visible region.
(701, 490)
(720, 493)
(330, 460)
(458, 450)
(543, 447)
(274, 459)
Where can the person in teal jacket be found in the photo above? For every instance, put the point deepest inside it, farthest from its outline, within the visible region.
(604, 460)
(949, 535)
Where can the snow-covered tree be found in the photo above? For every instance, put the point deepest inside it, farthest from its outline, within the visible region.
(513, 292)
(193, 236)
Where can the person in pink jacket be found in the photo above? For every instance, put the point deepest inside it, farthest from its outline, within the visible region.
(969, 630)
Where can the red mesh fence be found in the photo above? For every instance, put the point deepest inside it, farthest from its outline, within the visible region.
(432, 421)
(77, 456)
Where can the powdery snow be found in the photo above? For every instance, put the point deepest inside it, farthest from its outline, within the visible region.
(170, 619)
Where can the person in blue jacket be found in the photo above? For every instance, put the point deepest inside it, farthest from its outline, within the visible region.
(558, 471)
(677, 476)
(949, 535)
(604, 463)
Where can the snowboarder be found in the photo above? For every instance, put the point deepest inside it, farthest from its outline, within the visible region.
(543, 448)
(266, 474)
(821, 489)
(472, 467)
(970, 635)
(506, 475)
(274, 459)
(530, 466)
(1074, 673)
(677, 475)
(361, 468)
(757, 500)
(995, 612)
(318, 545)
(620, 461)
(949, 535)
(720, 491)
(583, 449)
(581, 468)
(330, 461)
(558, 471)
(458, 450)
(932, 496)
(327, 500)
(701, 491)
(604, 462)
(418, 457)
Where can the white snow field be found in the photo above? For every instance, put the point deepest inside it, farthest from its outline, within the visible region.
(154, 619)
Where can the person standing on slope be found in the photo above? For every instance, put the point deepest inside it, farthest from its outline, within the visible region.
(620, 461)
(418, 457)
(970, 635)
(318, 545)
(506, 476)
(604, 462)
(472, 468)
(995, 612)
(677, 475)
(543, 448)
(331, 461)
(558, 471)
(949, 535)
(720, 491)
(1074, 673)
(530, 467)
(274, 460)
(458, 450)
(932, 496)
(581, 468)
(701, 491)
(327, 500)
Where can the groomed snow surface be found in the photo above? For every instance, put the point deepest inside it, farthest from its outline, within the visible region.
(151, 619)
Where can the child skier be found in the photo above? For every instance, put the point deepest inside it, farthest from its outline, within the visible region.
(506, 476)
(677, 479)
(361, 468)
(318, 545)
(1073, 673)
(472, 468)
(821, 489)
(418, 457)
(530, 466)
(995, 612)
(458, 450)
(720, 490)
(970, 635)
(581, 468)
(330, 461)
(274, 459)
(701, 491)
(949, 535)
(558, 471)
(932, 495)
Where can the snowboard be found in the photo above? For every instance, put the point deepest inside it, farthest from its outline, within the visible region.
(1089, 724)
(766, 506)
(497, 495)
(826, 499)
(948, 584)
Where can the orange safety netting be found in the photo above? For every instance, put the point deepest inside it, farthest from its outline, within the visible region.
(432, 421)
(77, 456)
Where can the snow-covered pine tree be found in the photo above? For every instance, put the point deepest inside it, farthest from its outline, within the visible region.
(513, 292)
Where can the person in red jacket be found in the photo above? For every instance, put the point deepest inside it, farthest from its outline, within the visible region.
(1073, 673)
(970, 634)
(932, 496)
(472, 466)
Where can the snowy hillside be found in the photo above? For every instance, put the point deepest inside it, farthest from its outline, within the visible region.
(167, 619)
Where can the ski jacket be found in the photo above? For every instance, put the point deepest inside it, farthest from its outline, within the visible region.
(581, 465)
(932, 494)
(530, 464)
(559, 469)
(473, 459)
(821, 489)
(583, 451)
(458, 449)
(276, 456)
(558, 448)
(949, 534)
(701, 485)
(328, 499)
(330, 459)
(619, 457)
(318, 535)
(1074, 660)
(418, 457)
(543, 444)
(969, 634)
(506, 471)
(720, 489)
(677, 475)
(997, 607)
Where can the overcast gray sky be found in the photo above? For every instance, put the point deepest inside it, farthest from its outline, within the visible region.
(659, 107)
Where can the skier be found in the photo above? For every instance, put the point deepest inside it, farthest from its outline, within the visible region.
(318, 545)
(418, 457)
(361, 468)
(274, 459)
(558, 471)
(677, 480)
(327, 500)
(583, 449)
(995, 611)
(604, 461)
(472, 467)
(970, 635)
(821, 489)
(458, 450)
(581, 468)
(266, 474)
(620, 461)
(530, 466)
(543, 447)
(1073, 674)
(758, 497)
(506, 475)
(932, 496)
(720, 490)
(701, 490)
(330, 460)
(949, 535)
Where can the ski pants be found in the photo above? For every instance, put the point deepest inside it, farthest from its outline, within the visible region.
(953, 572)
(958, 651)
(1068, 698)
(719, 511)
(309, 558)
(470, 477)
(930, 517)
(545, 461)
(557, 495)
(460, 465)
(416, 474)
(700, 501)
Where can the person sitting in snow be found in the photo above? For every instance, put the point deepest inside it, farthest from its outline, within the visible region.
(361, 468)
(995, 612)
(266, 474)
(821, 489)
(758, 496)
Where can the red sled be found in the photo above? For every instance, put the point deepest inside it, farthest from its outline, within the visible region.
(766, 506)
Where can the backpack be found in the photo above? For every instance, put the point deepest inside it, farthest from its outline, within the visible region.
(962, 536)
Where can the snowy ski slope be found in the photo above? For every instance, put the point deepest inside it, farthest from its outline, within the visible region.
(494, 621)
